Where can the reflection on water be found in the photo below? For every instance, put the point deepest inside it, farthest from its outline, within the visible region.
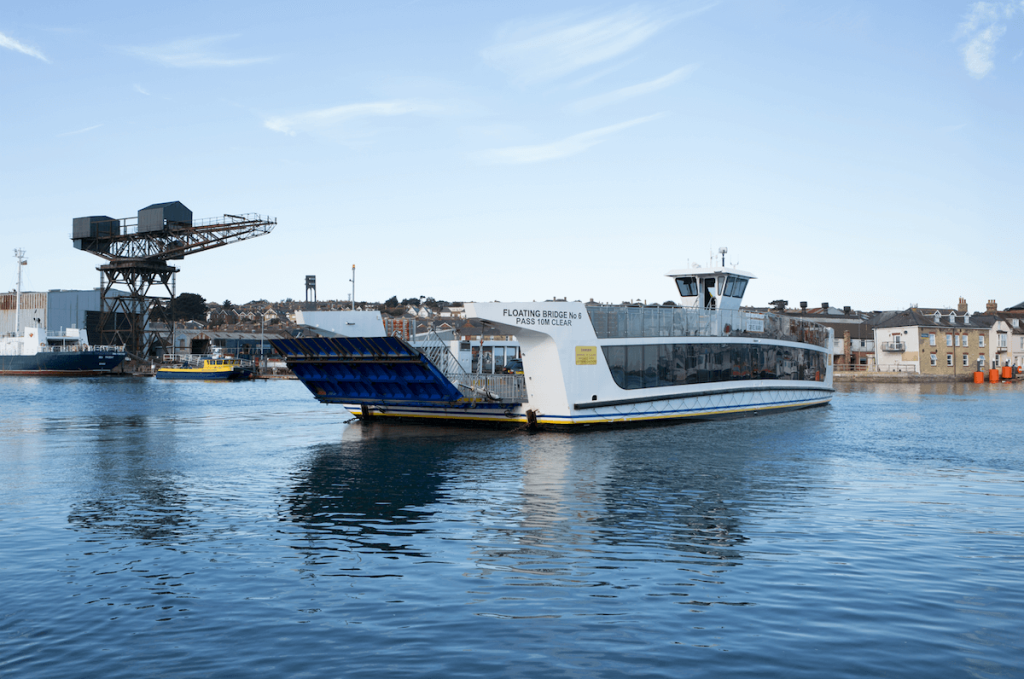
(192, 534)
(367, 498)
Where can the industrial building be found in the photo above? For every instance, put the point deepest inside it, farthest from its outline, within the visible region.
(55, 310)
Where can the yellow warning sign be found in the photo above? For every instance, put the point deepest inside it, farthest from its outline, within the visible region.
(586, 355)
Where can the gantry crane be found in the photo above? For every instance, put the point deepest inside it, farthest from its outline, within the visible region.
(137, 250)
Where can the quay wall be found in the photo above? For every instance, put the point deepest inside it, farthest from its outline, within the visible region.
(898, 377)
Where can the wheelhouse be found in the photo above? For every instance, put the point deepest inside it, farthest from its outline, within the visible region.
(711, 288)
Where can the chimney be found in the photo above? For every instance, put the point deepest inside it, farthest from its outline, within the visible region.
(824, 306)
(803, 306)
(961, 308)
(846, 310)
(991, 307)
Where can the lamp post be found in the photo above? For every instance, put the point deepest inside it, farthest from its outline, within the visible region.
(353, 281)
(263, 320)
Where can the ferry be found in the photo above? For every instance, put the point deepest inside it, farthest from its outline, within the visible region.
(588, 365)
(199, 368)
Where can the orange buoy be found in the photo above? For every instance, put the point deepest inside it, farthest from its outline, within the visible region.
(1007, 372)
(979, 377)
(993, 375)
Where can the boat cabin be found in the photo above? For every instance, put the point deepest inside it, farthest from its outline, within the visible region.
(711, 287)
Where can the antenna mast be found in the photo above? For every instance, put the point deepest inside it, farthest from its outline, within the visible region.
(20, 255)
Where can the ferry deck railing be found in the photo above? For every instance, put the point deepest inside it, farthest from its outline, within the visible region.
(472, 386)
(627, 321)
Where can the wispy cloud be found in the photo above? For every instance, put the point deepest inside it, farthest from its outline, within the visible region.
(632, 91)
(570, 146)
(12, 44)
(981, 29)
(194, 53)
(138, 88)
(329, 117)
(554, 48)
(86, 129)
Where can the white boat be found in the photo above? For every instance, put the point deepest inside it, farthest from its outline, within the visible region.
(32, 351)
(588, 364)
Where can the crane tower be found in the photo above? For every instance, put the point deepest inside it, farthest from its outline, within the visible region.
(137, 250)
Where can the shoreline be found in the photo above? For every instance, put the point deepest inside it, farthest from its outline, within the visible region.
(897, 377)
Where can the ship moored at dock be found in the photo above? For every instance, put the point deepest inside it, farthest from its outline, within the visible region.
(587, 364)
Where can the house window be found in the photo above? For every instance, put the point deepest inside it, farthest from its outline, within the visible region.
(981, 340)
(949, 359)
(935, 360)
(956, 340)
(949, 340)
(965, 360)
(931, 339)
(964, 341)
(1002, 339)
(981, 359)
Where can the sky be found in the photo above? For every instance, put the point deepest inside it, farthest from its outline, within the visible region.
(863, 153)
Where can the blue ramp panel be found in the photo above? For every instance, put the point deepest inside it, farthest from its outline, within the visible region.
(365, 370)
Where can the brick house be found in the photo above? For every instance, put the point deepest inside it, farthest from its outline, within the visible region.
(933, 342)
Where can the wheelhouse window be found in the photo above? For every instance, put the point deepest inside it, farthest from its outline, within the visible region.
(687, 286)
(735, 286)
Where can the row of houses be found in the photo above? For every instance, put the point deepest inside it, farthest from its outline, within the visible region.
(283, 313)
(929, 341)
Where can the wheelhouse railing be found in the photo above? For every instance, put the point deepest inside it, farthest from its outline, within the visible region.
(626, 321)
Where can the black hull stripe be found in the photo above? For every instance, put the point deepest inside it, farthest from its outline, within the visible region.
(586, 405)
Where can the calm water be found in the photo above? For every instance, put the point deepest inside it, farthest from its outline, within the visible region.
(188, 530)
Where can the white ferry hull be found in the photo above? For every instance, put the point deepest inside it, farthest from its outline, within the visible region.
(746, 401)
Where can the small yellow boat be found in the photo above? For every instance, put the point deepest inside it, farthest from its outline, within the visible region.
(222, 369)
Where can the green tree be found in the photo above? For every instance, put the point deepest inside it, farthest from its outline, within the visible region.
(189, 306)
(391, 303)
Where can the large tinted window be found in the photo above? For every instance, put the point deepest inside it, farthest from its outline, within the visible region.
(665, 365)
(687, 286)
(735, 287)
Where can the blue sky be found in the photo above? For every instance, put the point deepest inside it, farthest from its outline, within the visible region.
(861, 153)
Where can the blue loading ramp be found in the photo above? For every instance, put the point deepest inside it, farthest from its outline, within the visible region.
(371, 370)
